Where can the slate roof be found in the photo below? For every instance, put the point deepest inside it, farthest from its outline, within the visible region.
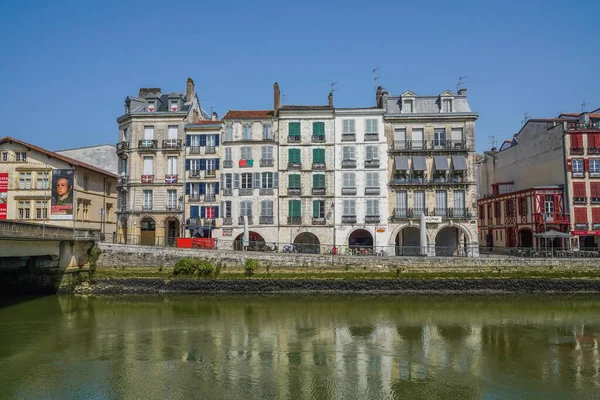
(428, 104)
(248, 114)
(162, 104)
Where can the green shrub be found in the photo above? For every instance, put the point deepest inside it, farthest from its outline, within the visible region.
(218, 268)
(204, 267)
(94, 254)
(184, 266)
(250, 266)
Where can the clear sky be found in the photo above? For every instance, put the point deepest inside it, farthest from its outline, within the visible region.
(67, 66)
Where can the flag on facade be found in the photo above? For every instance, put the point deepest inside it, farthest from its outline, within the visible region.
(243, 163)
(169, 179)
(147, 178)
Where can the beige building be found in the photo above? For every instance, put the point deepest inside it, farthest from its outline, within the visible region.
(151, 169)
(33, 172)
(431, 169)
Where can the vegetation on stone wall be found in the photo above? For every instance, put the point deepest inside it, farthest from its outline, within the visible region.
(250, 266)
(94, 255)
(193, 266)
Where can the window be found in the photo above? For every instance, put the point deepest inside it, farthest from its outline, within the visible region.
(41, 209)
(151, 105)
(148, 132)
(125, 134)
(348, 153)
(441, 202)
(227, 181)
(294, 155)
(318, 128)
(228, 154)
(457, 135)
(194, 190)
(266, 152)
(211, 140)
(373, 179)
(86, 211)
(266, 208)
(459, 203)
(577, 167)
(148, 199)
(294, 129)
(372, 208)
(246, 208)
(594, 167)
(267, 180)
(23, 209)
(348, 180)
(42, 181)
(579, 192)
(122, 166)
(173, 130)
(107, 187)
(419, 202)
(24, 180)
(5, 156)
(371, 126)
(349, 208)
(247, 132)
(20, 156)
(229, 133)
(318, 155)
(581, 216)
(267, 132)
(523, 206)
(85, 182)
(318, 181)
(174, 105)
(318, 209)
(211, 164)
(246, 153)
(148, 168)
(294, 181)
(418, 141)
(294, 209)
(172, 198)
(227, 209)
(407, 106)
(372, 153)
(447, 105)
(549, 204)
(247, 181)
(439, 137)
(194, 164)
(348, 126)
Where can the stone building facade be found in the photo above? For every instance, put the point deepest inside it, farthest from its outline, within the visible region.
(29, 180)
(151, 166)
(431, 171)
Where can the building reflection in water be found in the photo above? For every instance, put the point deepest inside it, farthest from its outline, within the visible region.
(308, 347)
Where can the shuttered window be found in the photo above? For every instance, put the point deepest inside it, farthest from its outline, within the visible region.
(294, 155)
(294, 208)
(319, 181)
(294, 181)
(318, 155)
(318, 209)
(581, 215)
(266, 208)
(318, 128)
(294, 129)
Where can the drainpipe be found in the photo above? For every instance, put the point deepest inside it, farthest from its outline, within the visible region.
(334, 180)
(102, 215)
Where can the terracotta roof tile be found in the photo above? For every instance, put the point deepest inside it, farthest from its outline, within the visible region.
(248, 114)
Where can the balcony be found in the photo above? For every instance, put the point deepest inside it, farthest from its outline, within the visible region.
(195, 150)
(122, 180)
(173, 207)
(593, 150)
(348, 219)
(266, 220)
(452, 213)
(317, 138)
(576, 150)
(195, 173)
(294, 220)
(348, 137)
(294, 165)
(210, 150)
(194, 198)
(294, 139)
(318, 166)
(371, 137)
(210, 198)
(372, 219)
(147, 145)
(122, 147)
(579, 200)
(408, 180)
(580, 126)
(147, 179)
(409, 213)
(246, 192)
(348, 163)
(147, 207)
(241, 220)
(294, 191)
(417, 145)
(172, 145)
(581, 226)
(348, 191)
(227, 163)
(210, 173)
(449, 145)
(265, 192)
(265, 162)
(318, 191)
(228, 221)
(370, 191)
(595, 200)
(227, 192)
(319, 221)
(371, 163)
(171, 179)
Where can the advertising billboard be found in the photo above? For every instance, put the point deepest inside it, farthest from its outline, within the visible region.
(61, 206)
(3, 194)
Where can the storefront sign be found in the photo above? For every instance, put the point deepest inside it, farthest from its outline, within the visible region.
(380, 230)
(227, 232)
(3, 194)
(433, 219)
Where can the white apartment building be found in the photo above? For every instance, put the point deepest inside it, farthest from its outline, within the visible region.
(361, 206)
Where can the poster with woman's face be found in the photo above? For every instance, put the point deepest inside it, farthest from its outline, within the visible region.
(61, 206)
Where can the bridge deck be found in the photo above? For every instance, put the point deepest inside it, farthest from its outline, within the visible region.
(18, 230)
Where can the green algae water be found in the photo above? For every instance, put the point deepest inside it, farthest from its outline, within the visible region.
(301, 347)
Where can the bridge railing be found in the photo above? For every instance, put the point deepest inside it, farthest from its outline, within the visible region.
(28, 230)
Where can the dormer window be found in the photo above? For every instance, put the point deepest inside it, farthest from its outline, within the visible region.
(174, 106)
(127, 108)
(408, 105)
(447, 105)
(151, 105)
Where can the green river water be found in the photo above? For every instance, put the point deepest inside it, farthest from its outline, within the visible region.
(301, 347)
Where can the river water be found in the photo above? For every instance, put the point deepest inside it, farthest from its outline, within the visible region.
(301, 347)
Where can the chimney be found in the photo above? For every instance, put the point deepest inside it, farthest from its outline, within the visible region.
(215, 117)
(330, 98)
(146, 91)
(276, 98)
(462, 92)
(190, 90)
(378, 96)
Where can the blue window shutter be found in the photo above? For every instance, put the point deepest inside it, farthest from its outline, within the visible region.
(276, 180)
(188, 140)
(203, 165)
(217, 188)
(187, 188)
(193, 211)
(187, 165)
(217, 212)
(236, 181)
(202, 188)
(216, 140)
(217, 164)
(202, 212)
(202, 140)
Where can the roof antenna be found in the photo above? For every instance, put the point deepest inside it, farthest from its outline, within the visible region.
(283, 98)
(492, 141)
(526, 117)
(583, 106)
(332, 85)
(461, 81)
(375, 77)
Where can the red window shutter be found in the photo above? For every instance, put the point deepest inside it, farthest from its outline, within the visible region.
(591, 140)
(569, 165)
(594, 189)
(581, 215)
(579, 189)
(596, 215)
(576, 140)
(586, 165)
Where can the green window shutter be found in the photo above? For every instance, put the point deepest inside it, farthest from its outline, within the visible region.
(318, 128)
(316, 208)
(294, 181)
(319, 155)
(319, 181)
(294, 128)
(294, 208)
(294, 155)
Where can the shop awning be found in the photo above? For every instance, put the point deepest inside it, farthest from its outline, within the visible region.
(401, 163)
(419, 163)
(459, 163)
(441, 163)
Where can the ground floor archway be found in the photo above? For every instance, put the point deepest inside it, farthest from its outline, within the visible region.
(360, 242)
(172, 227)
(408, 241)
(307, 242)
(255, 242)
(148, 231)
(447, 242)
(525, 238)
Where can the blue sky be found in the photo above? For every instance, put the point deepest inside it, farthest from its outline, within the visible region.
(66, 66)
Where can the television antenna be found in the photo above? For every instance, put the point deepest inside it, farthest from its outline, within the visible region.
(492, 141)
(583, 106)
(283, 97)
(461, 81)
(331, 87)
(526, 117)
(375, 76)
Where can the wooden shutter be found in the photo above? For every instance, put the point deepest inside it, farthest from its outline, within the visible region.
(586, 165)
(581, 215)
(276, 180)
(576, 140)
(257, 179)
(579, 189)
(594, 189)
(236, 181)
(569, 165)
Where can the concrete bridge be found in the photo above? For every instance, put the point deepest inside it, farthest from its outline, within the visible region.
(41, 258)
